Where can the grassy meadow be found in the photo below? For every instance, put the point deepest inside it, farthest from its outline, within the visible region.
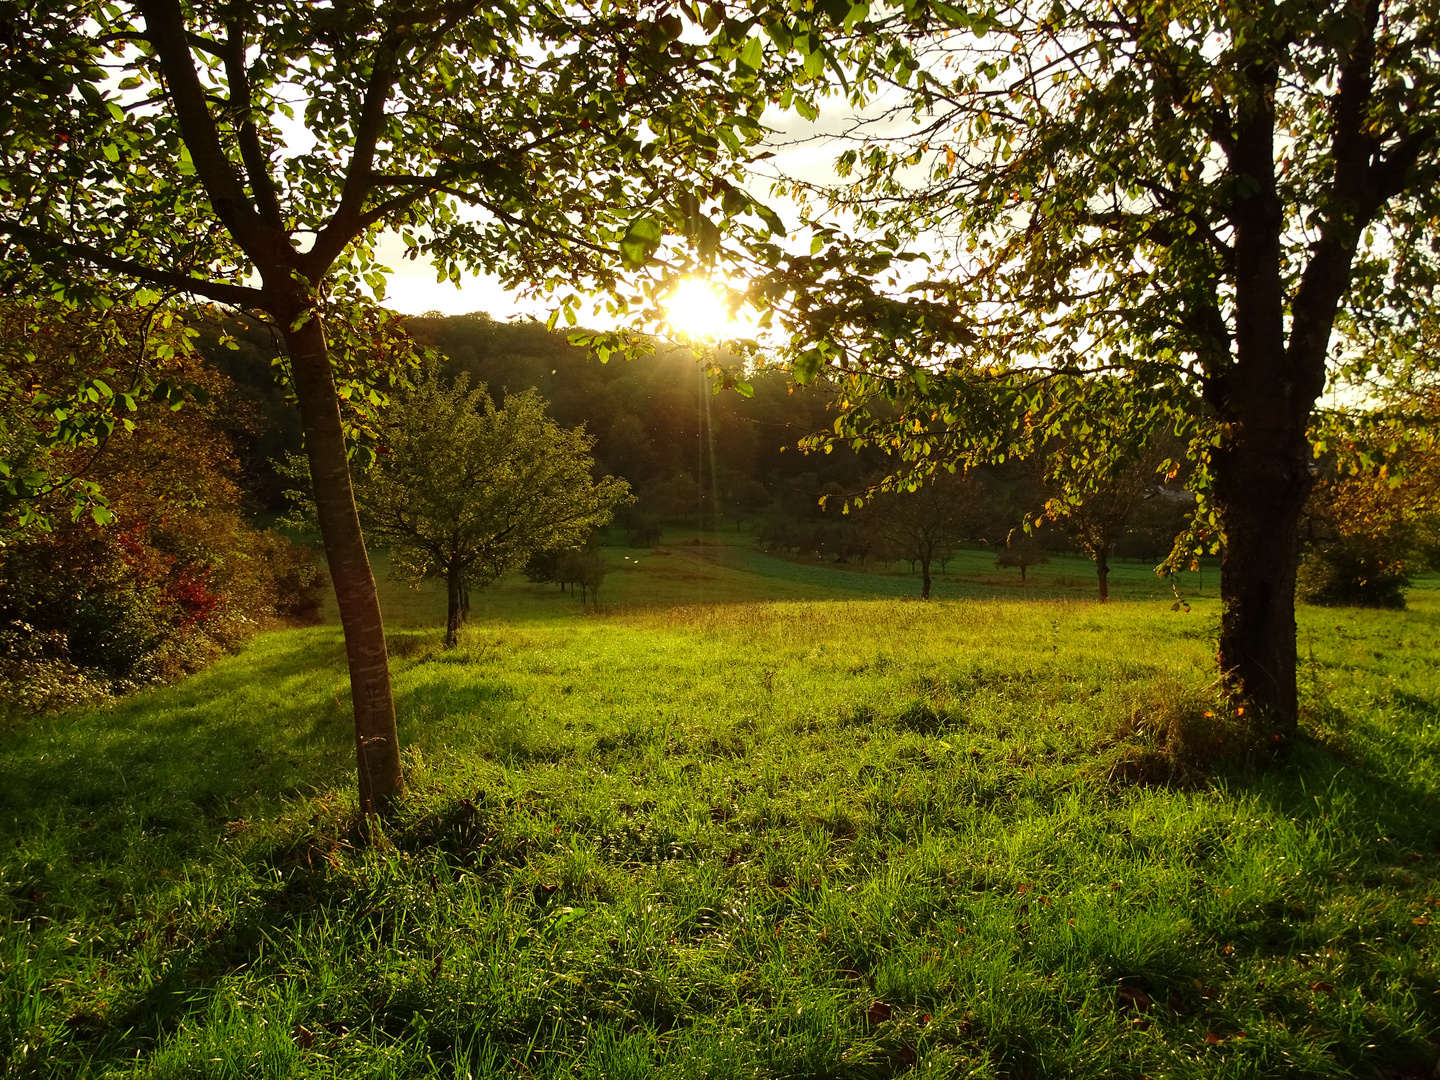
(747, 819)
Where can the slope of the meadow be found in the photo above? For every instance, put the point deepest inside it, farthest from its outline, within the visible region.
(726, 567)
(855, 837)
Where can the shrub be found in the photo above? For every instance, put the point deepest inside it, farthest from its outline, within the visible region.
(178, 578)
(36, 674)
(297, 581)
(94, 610)
(1353, 572)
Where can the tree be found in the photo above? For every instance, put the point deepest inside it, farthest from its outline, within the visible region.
(156, 142)
(464, 491)
(928, 521)
(1373, 517)
(590, 571)
(1154, 211)
(1021, 554)
(1097, 512)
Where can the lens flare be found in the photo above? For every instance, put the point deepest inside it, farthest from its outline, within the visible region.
(697, 309)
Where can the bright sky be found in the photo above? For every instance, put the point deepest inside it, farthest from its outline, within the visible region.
(412, 287)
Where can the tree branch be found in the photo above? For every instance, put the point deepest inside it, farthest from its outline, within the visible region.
(164, 24)
(238, 296)
(359, 177)
(242, 104)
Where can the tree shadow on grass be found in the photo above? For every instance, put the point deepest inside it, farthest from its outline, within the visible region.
(1382, 829)
(270, 723)
(175, 779)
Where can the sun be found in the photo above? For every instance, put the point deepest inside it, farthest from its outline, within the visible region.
(697, 309)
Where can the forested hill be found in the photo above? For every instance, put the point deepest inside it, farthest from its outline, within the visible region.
(656, 420)
(692, 456)
(685, 450)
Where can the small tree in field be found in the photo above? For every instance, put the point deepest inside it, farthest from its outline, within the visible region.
(590, 570)
(1096, 507)
(1020, 555)
(923, 524)
(466, 490)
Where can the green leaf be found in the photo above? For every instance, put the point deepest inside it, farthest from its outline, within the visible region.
(952, 16)
(771, 219)
(808, 365)
(753, 54)
(780, 34)
(640, 241)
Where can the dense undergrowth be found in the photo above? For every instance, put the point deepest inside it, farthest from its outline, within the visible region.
(794, 840)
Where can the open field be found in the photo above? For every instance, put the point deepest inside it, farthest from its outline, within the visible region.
(843, 837)
(725, 567)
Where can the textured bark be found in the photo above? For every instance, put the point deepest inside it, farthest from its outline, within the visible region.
(1261, 472)
(377, 746)
(1260, 491)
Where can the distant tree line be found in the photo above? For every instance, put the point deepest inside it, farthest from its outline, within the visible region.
(692, 458)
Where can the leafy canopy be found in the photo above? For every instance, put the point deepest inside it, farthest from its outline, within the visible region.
(1065, 212)
(200, 146)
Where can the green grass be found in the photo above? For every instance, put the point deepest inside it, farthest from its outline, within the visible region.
(815, 838)
(725, 567)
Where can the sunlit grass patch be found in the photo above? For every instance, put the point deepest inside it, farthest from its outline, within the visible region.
(840, 839)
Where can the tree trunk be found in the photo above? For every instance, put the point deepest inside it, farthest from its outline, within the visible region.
(453, 604)
(925, 578)
(1102, 571)
(377, 747)
(1260, 488)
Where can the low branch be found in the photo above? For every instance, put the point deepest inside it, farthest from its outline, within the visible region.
(238, 296)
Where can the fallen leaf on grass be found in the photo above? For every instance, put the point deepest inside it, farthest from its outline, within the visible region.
(877, 1014)
(1134, 997)
(303, 1036)
(1322, 987)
